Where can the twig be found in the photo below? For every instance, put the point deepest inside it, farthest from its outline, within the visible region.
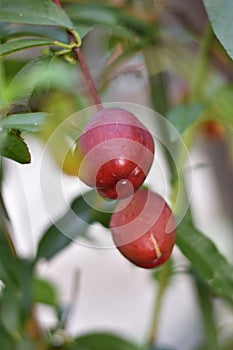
(79, 57)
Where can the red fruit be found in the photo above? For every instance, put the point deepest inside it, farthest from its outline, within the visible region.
(143, 229)
(117, 152)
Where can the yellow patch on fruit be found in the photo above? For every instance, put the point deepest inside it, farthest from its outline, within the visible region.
(156, 246)
(60, 134)
(71, 163)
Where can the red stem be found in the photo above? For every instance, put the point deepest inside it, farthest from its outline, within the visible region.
(78, 54)
(79, 57)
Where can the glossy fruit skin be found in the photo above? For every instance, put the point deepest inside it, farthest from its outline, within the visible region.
(117, 153)
(144, 229)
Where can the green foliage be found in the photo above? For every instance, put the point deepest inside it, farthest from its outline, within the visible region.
(209, 265)
(10, 311)
(12, 295)
(100, 341)
(44, 292)
(39, 75)
(28, 78)
(41, 12)
(183, 116)
(74, 224)
(6, 341)
(220, 15)
(159, 348)
(22, 44)
(13, 146)
(22, 30)
(30, 122)
(115, 21)
(25, 344)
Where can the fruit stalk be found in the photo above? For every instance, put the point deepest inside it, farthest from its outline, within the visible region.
(163, 280)
(79, 57)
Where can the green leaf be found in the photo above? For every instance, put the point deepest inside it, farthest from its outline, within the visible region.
(10, 310)
(119, 22)
(44, 292)
(209, 265)
(220, 15)
(26, 121)
(8, 261)
(13, 146)
(100, 341)
(41, 12)
(86, 14)
(25, 344)
(156, 347)
(13, 32)
(6, 254)
(158, 90)
(4, 28)
(92, 13)
(28, 77)
(183, 116)
(41, 73)
(82, 29)
(24, 276)
(21, 44)
(74, 223)
(3, 273)
(57, 34)
(6, 341)
(11, 66)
